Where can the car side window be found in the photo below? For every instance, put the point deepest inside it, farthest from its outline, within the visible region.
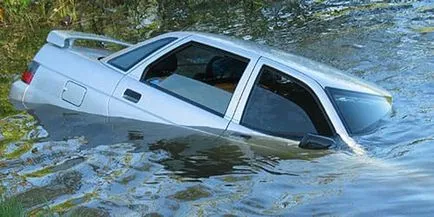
(282, 106)
(199, 74)
(127, 60)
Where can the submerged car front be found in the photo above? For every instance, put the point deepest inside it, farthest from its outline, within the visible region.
(358, 106)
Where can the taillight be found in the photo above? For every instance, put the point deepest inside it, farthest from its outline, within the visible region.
(27, 75)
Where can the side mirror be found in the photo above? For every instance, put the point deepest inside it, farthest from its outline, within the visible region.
(316, 142)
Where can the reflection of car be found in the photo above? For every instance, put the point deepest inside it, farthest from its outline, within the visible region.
(216, 84)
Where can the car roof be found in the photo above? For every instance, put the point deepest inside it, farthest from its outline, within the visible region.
(325, 75)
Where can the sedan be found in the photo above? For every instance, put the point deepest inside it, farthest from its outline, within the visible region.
(211, 83)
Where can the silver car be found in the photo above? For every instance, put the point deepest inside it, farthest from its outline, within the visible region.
(212, 83)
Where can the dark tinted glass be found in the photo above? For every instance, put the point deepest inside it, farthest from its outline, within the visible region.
(129, 59)
(280, 106)
(199, 74)
(359, 111)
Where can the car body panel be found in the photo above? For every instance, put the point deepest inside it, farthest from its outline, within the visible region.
(90, 52)
(58, 66)
(18, 92)
(74, 93)
(160, 107)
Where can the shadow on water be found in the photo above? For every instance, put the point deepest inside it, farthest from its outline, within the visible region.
(191, 152)
(82, 159)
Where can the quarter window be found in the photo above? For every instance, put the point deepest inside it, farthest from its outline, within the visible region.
(282, 106)
(201, 75)
(127, 60)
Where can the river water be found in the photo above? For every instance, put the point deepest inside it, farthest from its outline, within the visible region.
(125, 168)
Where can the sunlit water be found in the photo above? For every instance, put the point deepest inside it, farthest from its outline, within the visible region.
(126, 168)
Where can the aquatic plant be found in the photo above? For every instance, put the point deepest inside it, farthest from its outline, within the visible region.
(13, 129)
(12, 207)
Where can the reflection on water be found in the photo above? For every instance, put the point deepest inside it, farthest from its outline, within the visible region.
(124, 167)
(195, 156)
(119, 165)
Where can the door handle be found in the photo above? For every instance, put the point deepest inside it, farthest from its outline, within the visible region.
(132, 95)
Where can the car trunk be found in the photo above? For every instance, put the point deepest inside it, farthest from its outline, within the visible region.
(92, 53)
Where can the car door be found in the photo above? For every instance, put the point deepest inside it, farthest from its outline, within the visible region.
(279, 103)
(195, 83)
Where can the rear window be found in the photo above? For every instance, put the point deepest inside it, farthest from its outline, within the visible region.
(360, 112)
(127, 60)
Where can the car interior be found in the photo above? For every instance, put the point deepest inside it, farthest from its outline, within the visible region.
(220, 72)
(204, 76)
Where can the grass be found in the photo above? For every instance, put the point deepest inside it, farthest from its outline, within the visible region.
(11, 208)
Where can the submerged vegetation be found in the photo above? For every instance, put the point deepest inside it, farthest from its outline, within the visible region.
(11, 208)
(15, 128)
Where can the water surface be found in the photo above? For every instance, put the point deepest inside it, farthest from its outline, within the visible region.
(129, 168)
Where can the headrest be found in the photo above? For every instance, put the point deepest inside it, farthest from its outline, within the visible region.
(168, 64)
(225, 66)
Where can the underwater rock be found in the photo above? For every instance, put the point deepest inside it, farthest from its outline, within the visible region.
(69, 180)
(232, 179)
(87, 212)
(192, 193)
(38, 133)
(153, 214)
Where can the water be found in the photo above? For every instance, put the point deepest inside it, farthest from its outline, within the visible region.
(128, 168)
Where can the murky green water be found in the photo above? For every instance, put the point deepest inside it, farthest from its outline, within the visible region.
(126, 168)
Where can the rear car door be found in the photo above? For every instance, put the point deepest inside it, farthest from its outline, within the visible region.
(195, 82)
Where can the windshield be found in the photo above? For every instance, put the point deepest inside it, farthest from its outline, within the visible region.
(360, 111)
